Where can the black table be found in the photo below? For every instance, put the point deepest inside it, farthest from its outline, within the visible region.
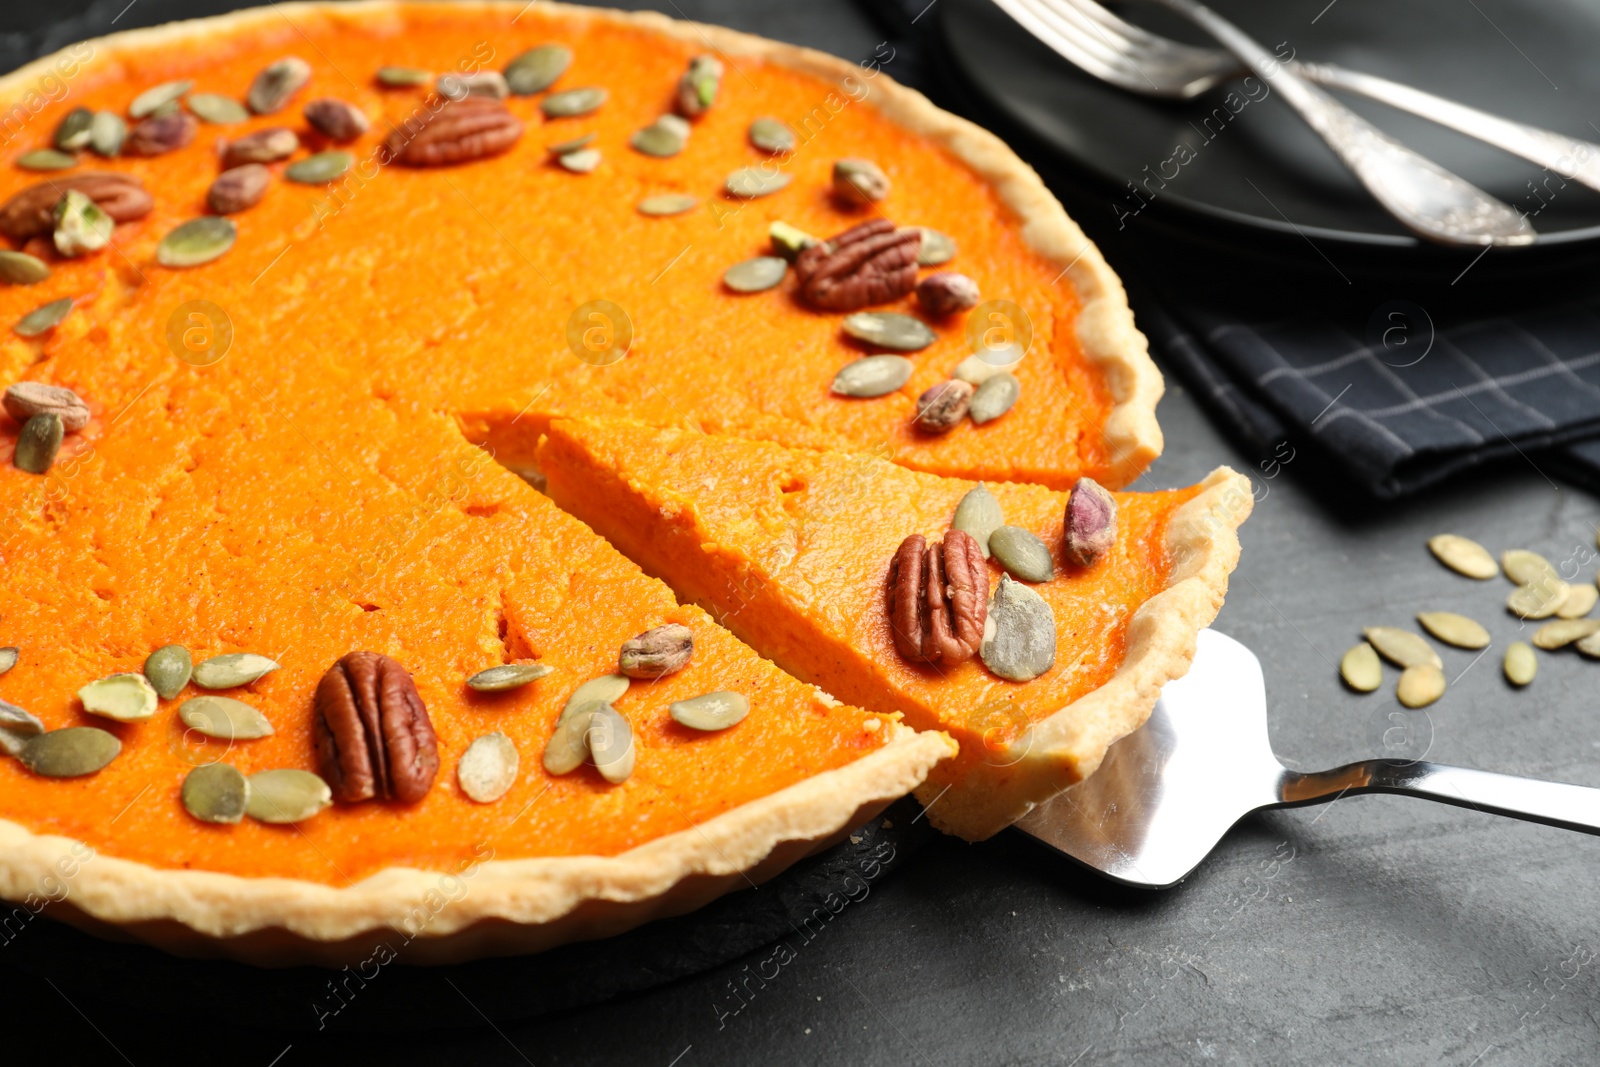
(1374, 930)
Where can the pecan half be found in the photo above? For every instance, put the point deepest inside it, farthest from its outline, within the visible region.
(160, 134)
(938, 598)
(474, 127)
(373, 735)
(872, 263)
(32, 211)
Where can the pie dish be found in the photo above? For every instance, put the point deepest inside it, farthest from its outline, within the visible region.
(299, 431)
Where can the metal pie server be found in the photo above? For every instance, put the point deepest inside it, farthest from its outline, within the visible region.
(1165, 794)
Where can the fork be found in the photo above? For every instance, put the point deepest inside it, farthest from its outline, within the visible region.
(1431, 201)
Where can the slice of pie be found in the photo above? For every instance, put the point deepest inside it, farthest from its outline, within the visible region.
(791, 549)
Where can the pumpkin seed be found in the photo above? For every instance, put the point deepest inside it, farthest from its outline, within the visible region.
(663, 138)
(976, 370)
(46, 159)
(1580, 601)
(1453, 629)
(43, 318)
(572, 103)
(772, 135)
(872, 376)
(286, 796)
(197, 241)
(217, 109)
(667, 204)
(937, 248)
(232, 669)
(507, 676)
(72, 133)
(486, 83)
(568, 746)
(889, 329)
(319, 169)
(582, 161)
(748, 183)
(994, 398)
(8, 658)
(1420, 685)
(147, 102)
(17, 728)
(789, 241)
(562, 148)
(80, 225)
(1022, 554)
(19, 268)
(610, 741)
(224, 718)
(978, 514)
(1019, 636)
(1563, 632)
(537, 69)
(70, 753)
(1521, 664)
(1538, 601)
(1589, 646)
(106, 133)
(124, 697)
(1401, 647)
(216, 793)
(711, 711)
(38, 443)
(405, 77)
(276, 83)
(607, 689)
(755, 275)
(1360, 668)
(1526, 568)
(169, 668)
(488, 768)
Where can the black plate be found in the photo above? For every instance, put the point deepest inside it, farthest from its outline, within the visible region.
(1262, 173)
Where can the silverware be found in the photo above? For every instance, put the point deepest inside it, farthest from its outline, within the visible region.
(1165, 794)
(1422, 195)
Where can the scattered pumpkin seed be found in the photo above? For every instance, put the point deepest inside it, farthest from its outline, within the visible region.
(486, 83)
(319, 169)
(38, 443)
(978, 514)
(582, 161)
(197, 241)
(537, 69)
(1563, 632)
(663, 138)
(17, 728)
(224, 718)
(606, 689)
(772, 135)
(1360, 668)
(216, 793)
(124, 697)
(561, 148)
(872, 376)
(1580, 601)
(889, 329)
(1022, 554)
(70, 753)
(43, 318)
(1526, 568)
(1538, 601)
(147, 102)
(405, 77)
(1401, 647)
(46, 159)
(1019, 636)
(755, 275)
(667, 204)
(748, 183)
(72, 133)
(488, 768)
(276, 84)
(568, 746)
(1589, 646)
(789, 241)
(1521, 664)
(610, 740)
(1453, 629)
(169, 668)
(507, 676)
(1420, 685)
(8, 658)
(994, 397)
(712, 711)
(106, 134)
(286, 796)
(80, 225)
(937, 248)
(19, 268)
(232, 669)
(573, 102)
(217, 109)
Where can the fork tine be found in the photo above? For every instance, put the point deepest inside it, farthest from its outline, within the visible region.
(1127, 41)
(1063, 34)
(1137, 37)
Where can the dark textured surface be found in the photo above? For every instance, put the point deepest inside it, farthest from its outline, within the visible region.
(1377, 930)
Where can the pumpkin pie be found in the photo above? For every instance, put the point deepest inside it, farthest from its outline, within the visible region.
(791, 550)
(308, 283)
